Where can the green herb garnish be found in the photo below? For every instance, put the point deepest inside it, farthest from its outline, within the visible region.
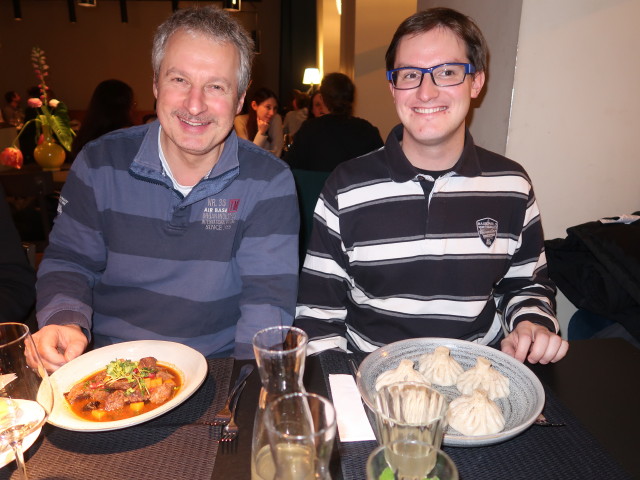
(130, 371)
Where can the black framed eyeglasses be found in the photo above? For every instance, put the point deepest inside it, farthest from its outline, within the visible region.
(445, 75)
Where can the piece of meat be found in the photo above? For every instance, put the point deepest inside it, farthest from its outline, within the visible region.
(164, 375)
(136, 396)
(161, 394)
(122, 384)
(91, 406)
(79, 391)
(99, 395)
(99, 378)
(147, 362)
(115, 401)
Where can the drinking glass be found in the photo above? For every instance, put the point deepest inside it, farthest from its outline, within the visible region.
(26, 398)
(301, 429)
(280, 354)
(410, 411)
(410, 460)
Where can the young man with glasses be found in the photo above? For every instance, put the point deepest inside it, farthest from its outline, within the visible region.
(430, 235)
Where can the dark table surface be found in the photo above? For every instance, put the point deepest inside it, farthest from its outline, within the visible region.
(595, 389)
(597, 382)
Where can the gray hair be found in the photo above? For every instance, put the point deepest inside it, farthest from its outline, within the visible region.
(216, 24)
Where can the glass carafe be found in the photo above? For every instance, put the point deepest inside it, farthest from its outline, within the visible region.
(280, 354)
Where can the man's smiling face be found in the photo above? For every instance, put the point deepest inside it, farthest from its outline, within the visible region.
(197, 96)
(434, 116)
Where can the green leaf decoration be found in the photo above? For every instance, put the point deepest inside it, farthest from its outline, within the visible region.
(62, 131)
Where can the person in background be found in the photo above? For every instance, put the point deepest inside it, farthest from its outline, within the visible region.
(175, 230)
(17, 277)
(298, 114)
(430, 236)
(262, 125)
(111, 107)
(317, 106)
(11, 111)
(324, 142)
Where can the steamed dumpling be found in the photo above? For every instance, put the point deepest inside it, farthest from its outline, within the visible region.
(404, 372)
(484, 376)
(475, 414)
(439, 367)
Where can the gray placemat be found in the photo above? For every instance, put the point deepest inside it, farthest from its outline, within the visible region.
(567, 453)
(179, 444)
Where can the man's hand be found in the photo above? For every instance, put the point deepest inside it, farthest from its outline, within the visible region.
(534, 343)
(58, 344)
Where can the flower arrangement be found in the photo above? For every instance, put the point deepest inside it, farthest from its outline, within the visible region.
(58, 122)
(52, 119)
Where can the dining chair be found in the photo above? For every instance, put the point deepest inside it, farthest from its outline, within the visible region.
(309, 184)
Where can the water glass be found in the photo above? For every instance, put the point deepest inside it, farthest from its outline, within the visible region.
(280, 354)
(410, 460)
(410, 411)
(26, 397)
(301, 429)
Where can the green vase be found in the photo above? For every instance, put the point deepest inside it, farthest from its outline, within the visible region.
(49, 155)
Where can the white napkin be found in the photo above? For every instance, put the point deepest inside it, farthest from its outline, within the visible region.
(353, 423)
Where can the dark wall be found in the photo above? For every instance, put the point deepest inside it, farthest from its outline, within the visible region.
(99, 45)
(297, 44)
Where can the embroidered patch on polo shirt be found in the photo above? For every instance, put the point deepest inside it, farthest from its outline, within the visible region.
(487, 230)
(220, 213)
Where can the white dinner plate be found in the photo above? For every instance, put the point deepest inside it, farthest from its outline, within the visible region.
(190, 363)
(520, 408)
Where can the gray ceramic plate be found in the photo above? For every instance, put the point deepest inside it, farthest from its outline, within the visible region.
(520, 408)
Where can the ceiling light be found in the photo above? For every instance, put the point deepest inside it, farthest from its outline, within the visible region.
(231, 5)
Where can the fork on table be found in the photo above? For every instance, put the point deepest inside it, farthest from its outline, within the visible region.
(223, 417)
(230, 430)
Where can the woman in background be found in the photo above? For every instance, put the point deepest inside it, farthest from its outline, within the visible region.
(262, 125)
(298, 113)
(111, 108)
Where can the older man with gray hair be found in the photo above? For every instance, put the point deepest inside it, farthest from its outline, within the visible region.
(175, 230)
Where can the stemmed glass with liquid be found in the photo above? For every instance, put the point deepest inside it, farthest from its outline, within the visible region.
(26, 397)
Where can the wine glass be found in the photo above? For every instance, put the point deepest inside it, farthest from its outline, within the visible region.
(26, 397)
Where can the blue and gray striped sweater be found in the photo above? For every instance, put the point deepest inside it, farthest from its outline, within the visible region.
(140, 261)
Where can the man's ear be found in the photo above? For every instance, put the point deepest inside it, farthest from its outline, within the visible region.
(477, 84)
(392, 90)
(155, 87)
(241, 103)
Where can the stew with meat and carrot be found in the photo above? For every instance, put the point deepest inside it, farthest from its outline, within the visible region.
(124, 389)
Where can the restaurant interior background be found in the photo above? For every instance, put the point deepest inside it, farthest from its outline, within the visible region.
(561, 98)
